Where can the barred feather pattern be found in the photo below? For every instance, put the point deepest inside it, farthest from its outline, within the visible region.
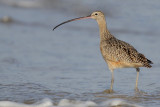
(115, 50)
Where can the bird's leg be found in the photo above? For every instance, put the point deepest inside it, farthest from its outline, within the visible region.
(136, 87)
(112, 81)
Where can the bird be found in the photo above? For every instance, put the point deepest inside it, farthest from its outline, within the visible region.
(115, 52)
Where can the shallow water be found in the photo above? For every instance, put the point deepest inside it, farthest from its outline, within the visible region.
(42, 68)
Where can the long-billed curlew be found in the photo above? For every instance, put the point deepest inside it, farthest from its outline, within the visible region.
(116, 53)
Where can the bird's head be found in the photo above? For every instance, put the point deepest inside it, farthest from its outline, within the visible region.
(97, 15)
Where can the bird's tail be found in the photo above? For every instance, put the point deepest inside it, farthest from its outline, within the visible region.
(148, 63)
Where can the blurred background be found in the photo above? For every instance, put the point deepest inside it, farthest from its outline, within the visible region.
(38, 63)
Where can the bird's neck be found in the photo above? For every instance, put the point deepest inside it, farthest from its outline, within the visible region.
(104, 32)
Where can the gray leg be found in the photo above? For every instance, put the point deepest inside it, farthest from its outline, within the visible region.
(112, 80)
(138, 70)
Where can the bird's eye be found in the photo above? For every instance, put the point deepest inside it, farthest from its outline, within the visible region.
(96, 14)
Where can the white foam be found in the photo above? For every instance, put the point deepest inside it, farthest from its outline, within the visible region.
(43, 103)
(69, 103)
(118, 102)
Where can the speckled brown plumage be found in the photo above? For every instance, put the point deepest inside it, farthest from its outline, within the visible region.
(115, 50)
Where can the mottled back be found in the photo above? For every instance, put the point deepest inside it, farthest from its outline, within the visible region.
(115, 50)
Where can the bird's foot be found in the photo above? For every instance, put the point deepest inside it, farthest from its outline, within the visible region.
(137, 91)
(108, 91)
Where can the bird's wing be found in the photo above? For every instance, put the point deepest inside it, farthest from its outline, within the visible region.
(134, 56)
(117, 50)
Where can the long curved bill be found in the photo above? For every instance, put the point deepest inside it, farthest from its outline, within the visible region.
(87, 17)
